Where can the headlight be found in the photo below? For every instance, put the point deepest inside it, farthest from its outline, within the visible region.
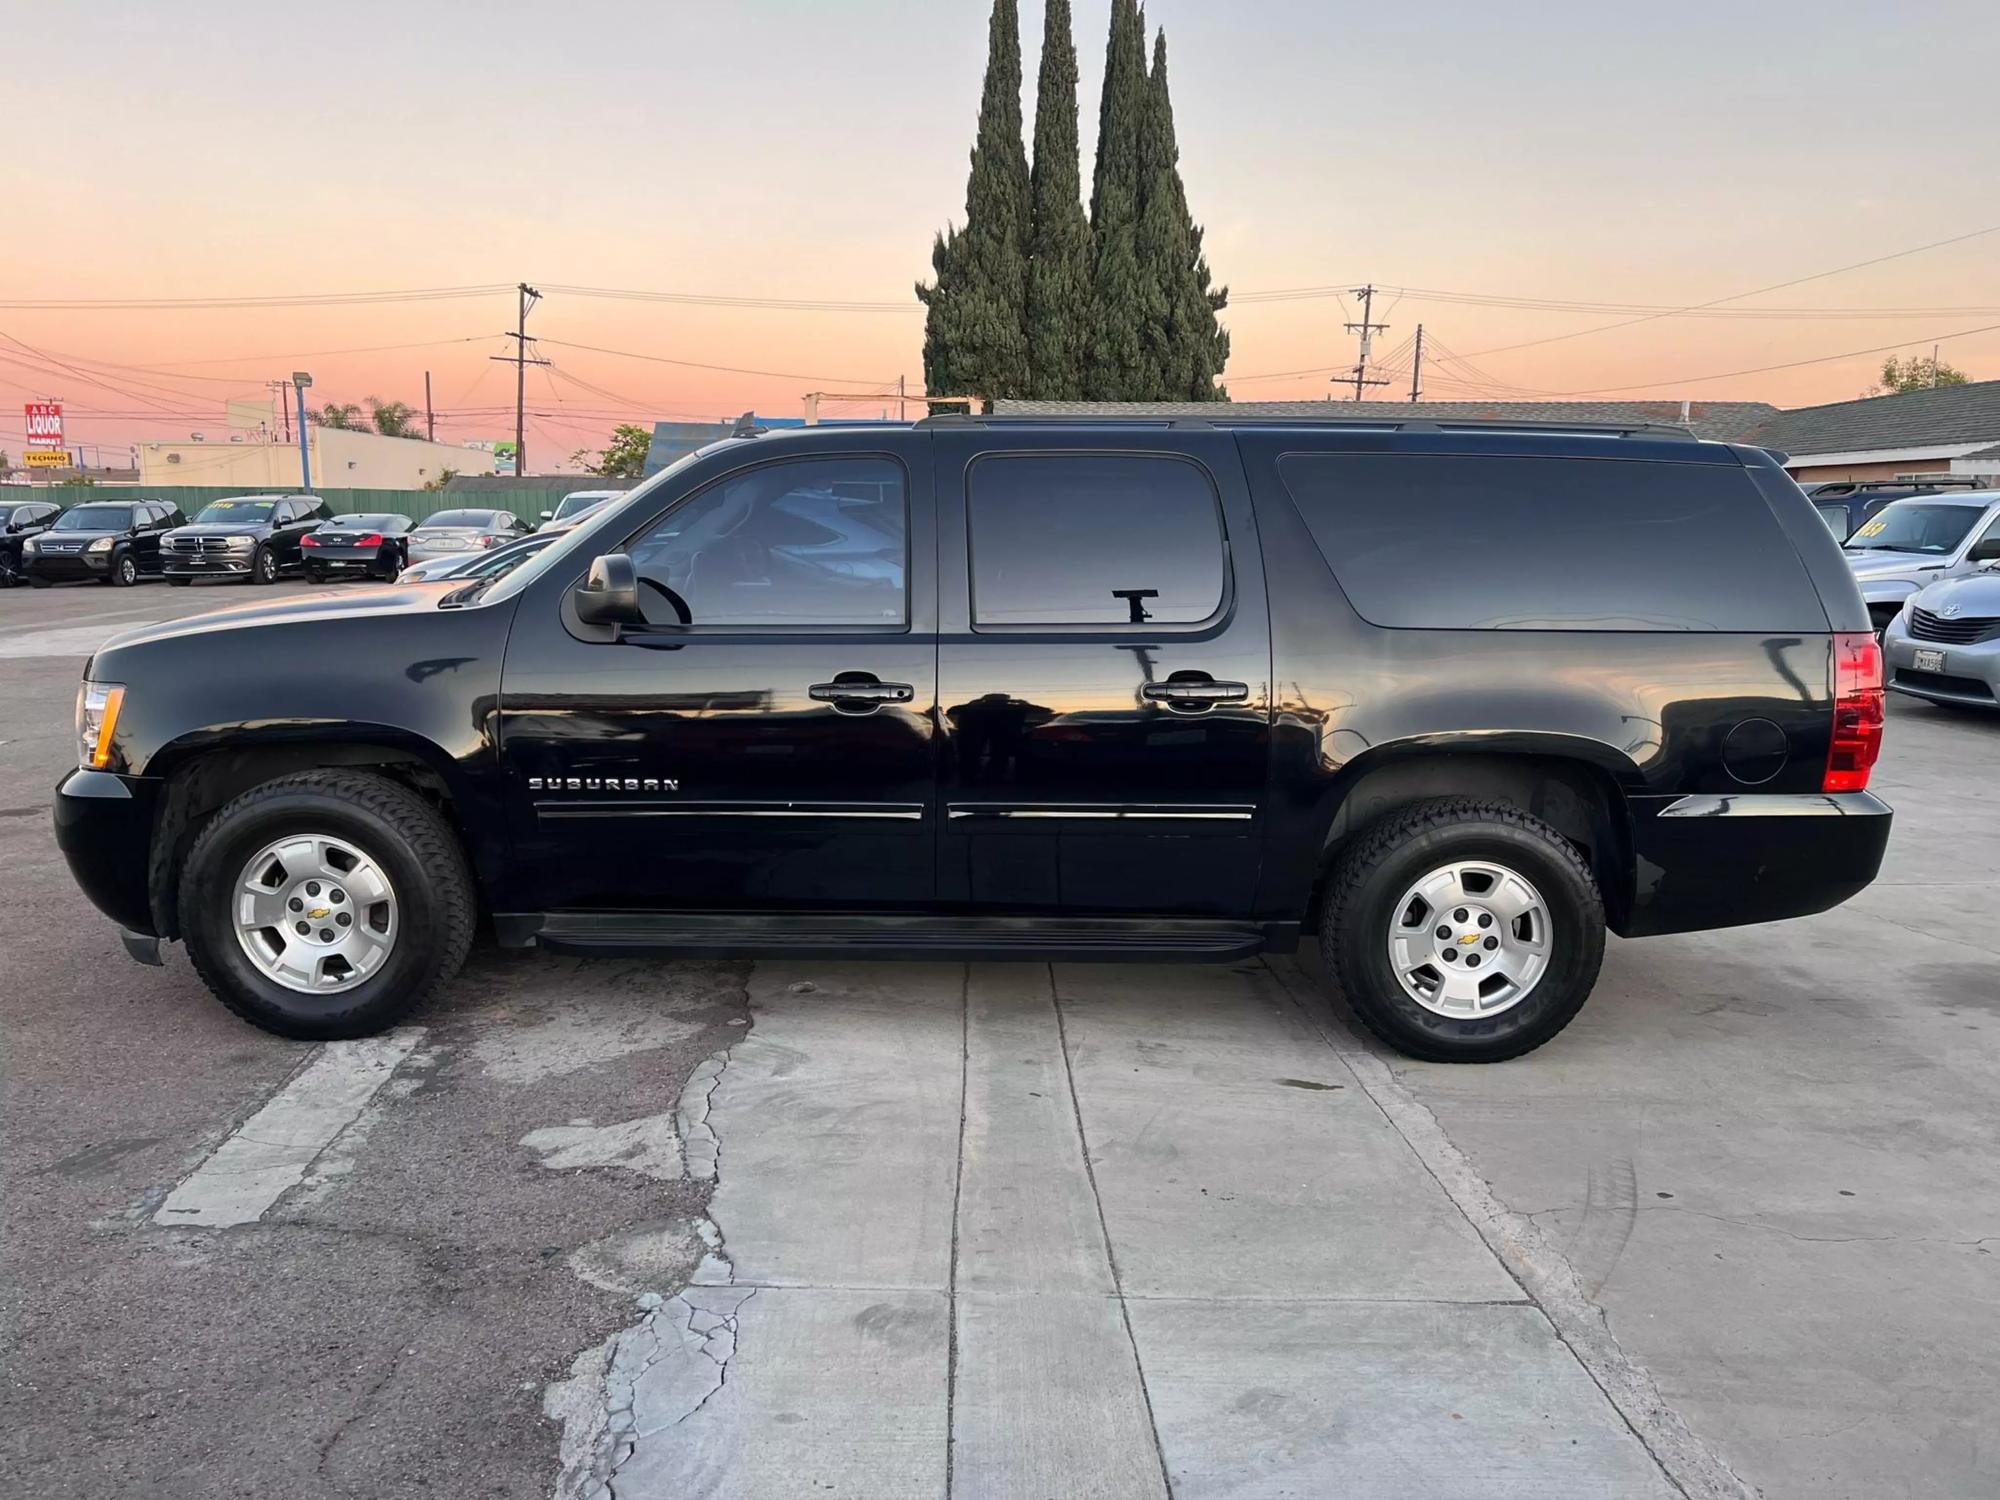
(28, 548)
(242, 543)
(97, 705)
(102, 544)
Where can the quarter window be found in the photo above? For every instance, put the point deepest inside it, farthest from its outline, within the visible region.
(820, 543)
(1093, 539)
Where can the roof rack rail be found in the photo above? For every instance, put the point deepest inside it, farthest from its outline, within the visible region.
(1362, 424)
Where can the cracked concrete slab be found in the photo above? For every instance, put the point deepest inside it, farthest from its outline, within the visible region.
(1381, 1401)
(1221, 1177)
(826, 1392)
(649, 1145)
(839, 1126)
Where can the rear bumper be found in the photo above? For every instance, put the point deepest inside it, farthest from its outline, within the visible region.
(104, 826)
(1726, 861)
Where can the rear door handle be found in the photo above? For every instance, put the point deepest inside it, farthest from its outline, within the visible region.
(1191, 692)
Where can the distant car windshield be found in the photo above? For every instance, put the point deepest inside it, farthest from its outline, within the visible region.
(225, 511)
(577, 504)
(459, 518)
(363, 523)
(95, 518)
(1915, 526)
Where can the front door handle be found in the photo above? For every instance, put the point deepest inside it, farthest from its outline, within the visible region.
(1195, 692)
(860, 693)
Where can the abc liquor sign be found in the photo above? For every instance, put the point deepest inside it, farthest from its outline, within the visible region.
(45, 427)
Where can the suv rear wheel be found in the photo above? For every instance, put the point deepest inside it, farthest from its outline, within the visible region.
(326, 904)
(1463, 931)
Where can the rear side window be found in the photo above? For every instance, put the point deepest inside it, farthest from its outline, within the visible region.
(1438, 541)
(1085, 538)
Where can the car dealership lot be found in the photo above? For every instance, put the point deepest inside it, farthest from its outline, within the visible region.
(799, 1228)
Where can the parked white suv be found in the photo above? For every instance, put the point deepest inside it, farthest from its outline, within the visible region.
(1917, 541)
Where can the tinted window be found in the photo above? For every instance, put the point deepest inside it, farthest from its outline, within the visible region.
(817, 543)
(1056, 538)
(1835, 516)
(474, 518)
(234, 511)
(1458, 542)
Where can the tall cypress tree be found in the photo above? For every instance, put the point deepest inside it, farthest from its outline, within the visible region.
(1116, 358)
(1059, 260)
(975, 334)
(1186, 347)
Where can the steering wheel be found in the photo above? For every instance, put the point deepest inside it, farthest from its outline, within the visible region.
(674, 601)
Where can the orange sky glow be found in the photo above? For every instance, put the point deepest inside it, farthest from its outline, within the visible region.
(782, 153)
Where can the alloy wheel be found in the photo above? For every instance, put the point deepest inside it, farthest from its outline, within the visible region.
(315, 914)
(1470, 939)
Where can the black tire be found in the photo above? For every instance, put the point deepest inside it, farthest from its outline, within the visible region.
(124, 571)
(179, 583)
(1385, 860)
(264, 567)
(314, 575)
(418, 852)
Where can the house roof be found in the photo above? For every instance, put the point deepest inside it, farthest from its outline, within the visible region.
(1725, 421)
(1950, 415)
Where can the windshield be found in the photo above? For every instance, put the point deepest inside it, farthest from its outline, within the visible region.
(235, 510)
(95, 518)
(574, 541)
(474, 519)
(1915, 526)
(577, 504)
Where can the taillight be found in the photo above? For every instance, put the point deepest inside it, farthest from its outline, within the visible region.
(373, 539)
(1857, 711)
(308, 540)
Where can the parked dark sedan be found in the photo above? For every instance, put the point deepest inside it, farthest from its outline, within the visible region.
(246, 536)
(115, 542)
(20, 520)
(374, 545)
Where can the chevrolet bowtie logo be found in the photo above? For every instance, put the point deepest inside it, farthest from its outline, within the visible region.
(1468, 940)
(317, 914)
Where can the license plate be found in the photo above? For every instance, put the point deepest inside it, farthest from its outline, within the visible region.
(1930, 661)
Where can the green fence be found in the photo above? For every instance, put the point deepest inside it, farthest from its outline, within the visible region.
(416, 504)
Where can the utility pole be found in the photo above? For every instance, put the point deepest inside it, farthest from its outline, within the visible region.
(283, 391)
(431, 421)
(1417, 366)
(1367, 329)
(901, 414)
(521, 359)
(300, 380)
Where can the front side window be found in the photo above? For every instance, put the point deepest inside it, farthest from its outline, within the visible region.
(1093, 539)
(1915, 526)
(824, 542)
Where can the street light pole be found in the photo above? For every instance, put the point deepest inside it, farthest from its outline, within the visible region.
(300, 380)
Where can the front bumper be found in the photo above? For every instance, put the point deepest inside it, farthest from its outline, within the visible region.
(212, 565)
(1968, 674)
(67, 567)
(1725, 861)
(104, 826)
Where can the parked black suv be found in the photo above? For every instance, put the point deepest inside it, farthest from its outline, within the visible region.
(20, 520)
(1453, 698)
(255, 537)
(112, 541)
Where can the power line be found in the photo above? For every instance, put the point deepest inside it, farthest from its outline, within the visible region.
(298, 299)
(1793, 364)
(688, 364)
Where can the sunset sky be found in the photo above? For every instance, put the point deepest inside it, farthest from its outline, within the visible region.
(1658, 156)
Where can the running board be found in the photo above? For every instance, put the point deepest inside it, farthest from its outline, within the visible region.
(842, 935)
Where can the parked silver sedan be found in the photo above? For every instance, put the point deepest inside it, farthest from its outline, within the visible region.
(1945, 645)
(453, 533)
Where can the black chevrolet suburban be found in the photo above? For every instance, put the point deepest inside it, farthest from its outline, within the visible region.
(1451, 698)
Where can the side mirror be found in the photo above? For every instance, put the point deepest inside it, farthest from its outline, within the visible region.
(1985, 552)
(548, 515)
(609, 593)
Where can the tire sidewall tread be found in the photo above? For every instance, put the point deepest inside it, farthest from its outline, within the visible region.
(1382, 862)
(422, 855)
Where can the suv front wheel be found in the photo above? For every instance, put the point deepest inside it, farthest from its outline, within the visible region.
(326, 904)
(1463, 931)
